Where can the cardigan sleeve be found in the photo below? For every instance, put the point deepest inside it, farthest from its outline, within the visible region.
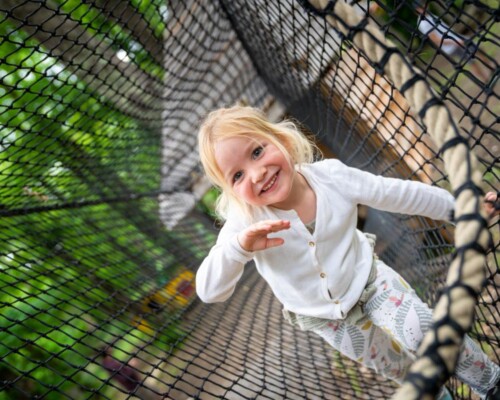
(223, 267)
(393, 195)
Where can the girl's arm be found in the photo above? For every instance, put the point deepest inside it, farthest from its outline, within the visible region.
(221, 270)
(395, 195)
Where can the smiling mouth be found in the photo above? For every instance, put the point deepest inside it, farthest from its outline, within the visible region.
(270, 184)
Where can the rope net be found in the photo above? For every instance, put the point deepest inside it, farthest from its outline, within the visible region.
(105, 215)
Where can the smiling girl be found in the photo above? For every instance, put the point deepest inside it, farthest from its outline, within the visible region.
(297, 220)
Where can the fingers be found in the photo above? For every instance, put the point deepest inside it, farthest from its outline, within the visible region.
(255, 236)
(490, 197)
(492, 204)
(274, 242)
(268, 226)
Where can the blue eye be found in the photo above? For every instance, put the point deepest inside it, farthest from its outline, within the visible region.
(257, 152)
(237, 176)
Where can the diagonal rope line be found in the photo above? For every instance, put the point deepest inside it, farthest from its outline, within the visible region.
(453, 314)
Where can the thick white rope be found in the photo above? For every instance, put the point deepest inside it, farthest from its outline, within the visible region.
(467, 268)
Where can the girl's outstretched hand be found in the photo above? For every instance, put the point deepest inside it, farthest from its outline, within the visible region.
(255, 237)
(491, 204)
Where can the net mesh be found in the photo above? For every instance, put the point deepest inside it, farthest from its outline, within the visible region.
(105, 215)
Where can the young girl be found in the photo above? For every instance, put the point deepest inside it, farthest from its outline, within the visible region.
(297, 220)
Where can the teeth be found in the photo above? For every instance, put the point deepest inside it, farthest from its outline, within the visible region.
(270, 184)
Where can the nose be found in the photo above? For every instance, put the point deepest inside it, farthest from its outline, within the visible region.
(258, 174)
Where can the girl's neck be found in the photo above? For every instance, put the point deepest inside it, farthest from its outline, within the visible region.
(302, 199)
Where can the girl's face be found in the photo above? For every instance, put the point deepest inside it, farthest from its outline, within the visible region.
(258, 172)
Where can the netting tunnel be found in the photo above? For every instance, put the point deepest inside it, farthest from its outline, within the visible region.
(105, 214)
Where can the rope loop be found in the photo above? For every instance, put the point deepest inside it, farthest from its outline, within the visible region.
(327, 10)
(452, 143)
(438, 356)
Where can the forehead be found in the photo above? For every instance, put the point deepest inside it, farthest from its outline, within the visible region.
(231, 150)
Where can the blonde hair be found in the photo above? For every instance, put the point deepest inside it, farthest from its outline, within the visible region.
(247, 122)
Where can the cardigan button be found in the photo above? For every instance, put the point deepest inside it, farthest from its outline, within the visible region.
(322, 275)
(337, 301)
(311, 244)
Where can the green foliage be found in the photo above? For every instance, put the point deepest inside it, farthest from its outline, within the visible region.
(155, 12)
(208, 201)
(74, 271)
(399, 17)
(117, 37)
(40, 327)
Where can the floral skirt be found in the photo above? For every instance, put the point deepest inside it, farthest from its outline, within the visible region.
(385, 328)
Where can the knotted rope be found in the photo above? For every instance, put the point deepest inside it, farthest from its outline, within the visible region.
(454, 312)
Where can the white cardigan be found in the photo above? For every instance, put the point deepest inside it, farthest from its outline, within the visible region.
(320, 274)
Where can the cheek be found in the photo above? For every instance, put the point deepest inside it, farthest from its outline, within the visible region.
(239, 191)
(287, 169)
(244, 191)
(284, 162)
